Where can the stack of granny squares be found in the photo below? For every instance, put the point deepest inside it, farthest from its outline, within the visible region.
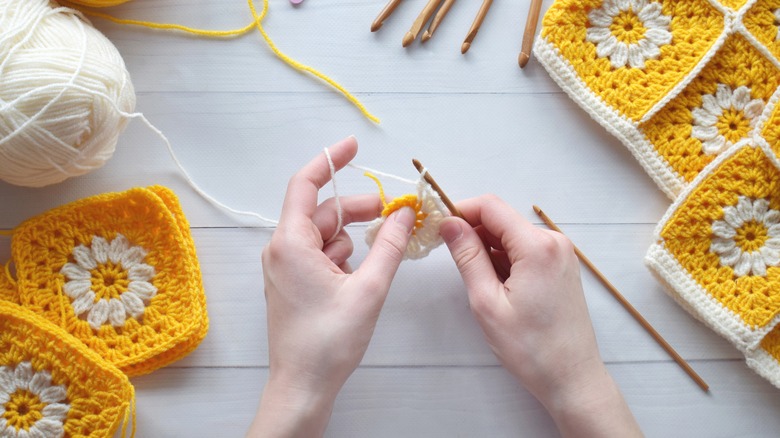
(105, 288)
(691, 88)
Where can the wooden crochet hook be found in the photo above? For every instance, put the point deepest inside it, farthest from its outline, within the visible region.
(445, 7)
(631, 309)
(418, 24)
(380, 19)
(483, 10)
(429, 179)
(529, 33)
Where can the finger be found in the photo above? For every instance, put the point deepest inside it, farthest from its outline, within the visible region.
(339, 249)
(472, 259)
(301, 196)
(515, 233)
(490, 240)
(358, 208)
(346, 268)
(500, 264)
(387, 252)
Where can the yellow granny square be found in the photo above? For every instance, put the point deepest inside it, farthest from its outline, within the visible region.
(119, 272)
(51, 385)
(677, 81)
(718, 246)
(765, 360)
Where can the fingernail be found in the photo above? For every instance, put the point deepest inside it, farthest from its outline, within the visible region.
(450, 230)
(405, 217)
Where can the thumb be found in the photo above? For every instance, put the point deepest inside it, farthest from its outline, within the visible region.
(470, 256)
(387, 252)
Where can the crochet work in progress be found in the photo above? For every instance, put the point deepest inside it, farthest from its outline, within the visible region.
(691, 88)
(430, 211)
(52, 385)
(119, 272)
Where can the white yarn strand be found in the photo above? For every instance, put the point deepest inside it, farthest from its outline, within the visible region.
(339, 211)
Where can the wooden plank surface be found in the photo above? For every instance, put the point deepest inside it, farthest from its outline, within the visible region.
(242, 122)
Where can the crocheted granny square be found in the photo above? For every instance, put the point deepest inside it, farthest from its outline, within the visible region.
(765, 360)
(677, 81)
(718, 246)
(119, 272)
(52, 385)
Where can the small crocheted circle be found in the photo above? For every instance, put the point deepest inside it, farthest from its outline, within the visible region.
(629, 32)
(109, 281)
(429, 211)
(725, 117)
(30, 405)
(748, 237)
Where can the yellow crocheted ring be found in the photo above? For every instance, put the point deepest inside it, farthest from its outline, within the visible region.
(119, 272)
(52, 385)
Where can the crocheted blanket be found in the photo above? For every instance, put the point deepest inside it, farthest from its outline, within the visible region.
(691, 88)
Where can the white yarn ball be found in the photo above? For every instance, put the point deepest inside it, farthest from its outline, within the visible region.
(65, 94)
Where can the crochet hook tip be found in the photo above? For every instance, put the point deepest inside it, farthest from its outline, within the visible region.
(435, 186)
(408, 38)
(522, 60)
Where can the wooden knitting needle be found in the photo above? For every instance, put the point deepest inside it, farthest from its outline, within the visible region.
(429, 179)
(445, 7)
(529, 33)
(423, 18)
(380, 19)
(635, 313)
(483, 10)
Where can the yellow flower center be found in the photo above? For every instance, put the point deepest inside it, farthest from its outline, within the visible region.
(23, 409)
(406, 201)
(109, 281)
(627, 27)
(751, 236)
(733, 125)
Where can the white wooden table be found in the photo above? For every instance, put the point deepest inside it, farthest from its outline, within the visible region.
(242, 122)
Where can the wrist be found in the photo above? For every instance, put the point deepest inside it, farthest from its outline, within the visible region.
(289, 410)
(591, 404)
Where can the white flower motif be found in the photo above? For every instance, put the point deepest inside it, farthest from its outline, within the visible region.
(725, 117)
(748, 237)
(629, 32)
(430, 211)
(109, 281)
(30, 406)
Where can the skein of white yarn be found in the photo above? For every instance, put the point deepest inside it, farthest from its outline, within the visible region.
(64, 94)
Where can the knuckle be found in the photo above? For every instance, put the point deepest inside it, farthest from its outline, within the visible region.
(393, 246)
(466, 258)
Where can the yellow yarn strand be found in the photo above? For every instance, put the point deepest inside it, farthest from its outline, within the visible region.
(381, 189)
(130, 413)
(258, 18)
(165, 26)
(8, 272)
(301, 67)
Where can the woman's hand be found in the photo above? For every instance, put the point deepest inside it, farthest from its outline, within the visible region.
(321, 315)
(525, 291)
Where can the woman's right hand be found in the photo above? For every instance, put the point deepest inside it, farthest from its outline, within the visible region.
(525, 291)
